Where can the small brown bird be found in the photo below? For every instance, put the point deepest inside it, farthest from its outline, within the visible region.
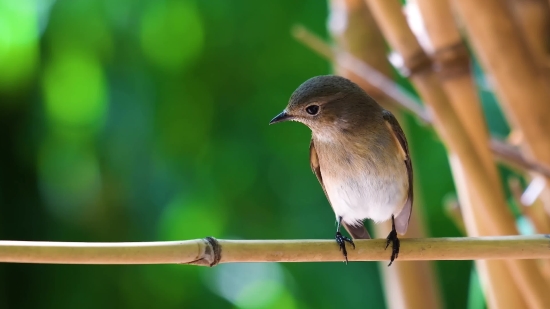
(359, 154)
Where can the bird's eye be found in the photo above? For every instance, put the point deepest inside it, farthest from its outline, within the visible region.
(312, 109)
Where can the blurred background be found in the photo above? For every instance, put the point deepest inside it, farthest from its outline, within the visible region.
(148, 121)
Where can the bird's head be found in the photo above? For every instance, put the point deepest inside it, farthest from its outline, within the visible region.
(328, 103)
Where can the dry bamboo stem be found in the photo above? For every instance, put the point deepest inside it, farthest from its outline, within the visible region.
(533, 19)
(414, 281)
(495, 276)
(452, 60)
(453, 64)
(354, 30)
(452, 210)
(210, 251)
(516, 78)
(540, 222)
(538, 218)
(478, 188)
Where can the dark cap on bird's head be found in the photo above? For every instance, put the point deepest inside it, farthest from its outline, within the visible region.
(328, 93)
(321, 87)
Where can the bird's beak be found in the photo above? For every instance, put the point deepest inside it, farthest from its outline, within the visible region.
(283, 116)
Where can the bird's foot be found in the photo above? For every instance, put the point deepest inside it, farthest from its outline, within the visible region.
(341, 240)
(392, 237)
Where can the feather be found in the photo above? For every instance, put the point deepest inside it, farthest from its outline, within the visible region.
(402, 219)
(357, 231)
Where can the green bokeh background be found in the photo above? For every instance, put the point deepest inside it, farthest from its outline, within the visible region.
(147, 120)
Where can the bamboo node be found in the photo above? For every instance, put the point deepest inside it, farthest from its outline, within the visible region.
(210, 255)
(213, 250)
(417, 64)
(452, 61)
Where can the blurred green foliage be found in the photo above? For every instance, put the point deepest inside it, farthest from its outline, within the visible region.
(147, 120)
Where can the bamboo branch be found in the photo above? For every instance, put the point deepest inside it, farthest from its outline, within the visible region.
(504, 152)
(510, 155)
(354, 30)
(210, 251)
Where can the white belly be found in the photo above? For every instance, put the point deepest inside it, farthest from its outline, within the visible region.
(362, 192)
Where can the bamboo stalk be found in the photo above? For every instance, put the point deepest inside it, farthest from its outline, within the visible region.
(210, 251)
(533, 20)
(538, 219)
(517, 81)
(453, 66)
(413, 281)
(470, 167)
(497, 279)
(354, 30)
(452, 63)
(537, 216)
(452, 210)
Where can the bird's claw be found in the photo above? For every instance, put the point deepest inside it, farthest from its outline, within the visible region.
(341, 240)
(392, 237)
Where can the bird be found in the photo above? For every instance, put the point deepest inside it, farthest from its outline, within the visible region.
(360, 155)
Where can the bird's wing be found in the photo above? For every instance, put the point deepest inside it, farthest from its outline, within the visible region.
(357, 232)
(402, 219)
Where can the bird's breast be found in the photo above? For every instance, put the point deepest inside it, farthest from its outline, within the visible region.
(366, 184)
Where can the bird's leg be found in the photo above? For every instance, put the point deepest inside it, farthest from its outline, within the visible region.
(392, 237)
(341, 240)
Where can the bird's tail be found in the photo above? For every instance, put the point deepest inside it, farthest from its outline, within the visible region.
(357, 232)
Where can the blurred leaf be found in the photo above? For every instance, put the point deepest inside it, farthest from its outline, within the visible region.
(188, 218)
(18, 44)
(75, 90)
(171, 34)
